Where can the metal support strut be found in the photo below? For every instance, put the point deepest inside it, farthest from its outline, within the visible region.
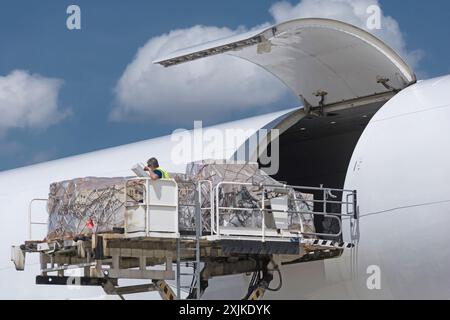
(195, 290)
(260, 282)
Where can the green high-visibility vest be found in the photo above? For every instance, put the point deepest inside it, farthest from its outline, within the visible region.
(165, 175)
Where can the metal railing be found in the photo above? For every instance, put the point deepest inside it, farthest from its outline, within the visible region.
(216, 210)
(211, 202)
(327, 193)
(219, 208)
(31, 223)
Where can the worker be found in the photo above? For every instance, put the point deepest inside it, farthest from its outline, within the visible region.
(154, 171)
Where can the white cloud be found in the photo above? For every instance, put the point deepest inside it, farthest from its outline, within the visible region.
(350, 11)
(29, 101)
(213, 86)
(221, 84)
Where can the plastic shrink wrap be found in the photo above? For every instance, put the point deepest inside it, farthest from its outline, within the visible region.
(88, 205)
(97, 205)
(238, 196)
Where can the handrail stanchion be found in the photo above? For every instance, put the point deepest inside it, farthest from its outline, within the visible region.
(263, 212)
(30, 221)
(199, 191)
(198, 208)
(217, 209)
(198, 234)
(302, 227)
(125, 222)
(147, 206)
(211, 200)
(213, 211)
(324, 212)
(324, 199)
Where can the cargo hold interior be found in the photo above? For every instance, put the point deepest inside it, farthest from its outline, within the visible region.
(317, 150)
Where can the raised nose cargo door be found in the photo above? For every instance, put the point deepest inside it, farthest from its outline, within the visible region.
(324, 62)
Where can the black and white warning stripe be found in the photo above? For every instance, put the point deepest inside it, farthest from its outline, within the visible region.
(333, 244)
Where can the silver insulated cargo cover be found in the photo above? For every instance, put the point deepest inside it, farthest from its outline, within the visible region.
(237, 196)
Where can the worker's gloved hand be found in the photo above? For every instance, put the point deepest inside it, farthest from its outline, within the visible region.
(146, 169)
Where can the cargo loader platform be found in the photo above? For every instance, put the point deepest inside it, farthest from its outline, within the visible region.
(151, 247)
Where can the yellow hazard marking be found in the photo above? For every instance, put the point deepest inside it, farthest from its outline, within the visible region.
(165, 291)
(257, 294)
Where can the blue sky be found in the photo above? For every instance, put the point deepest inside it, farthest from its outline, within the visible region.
(89, 63)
